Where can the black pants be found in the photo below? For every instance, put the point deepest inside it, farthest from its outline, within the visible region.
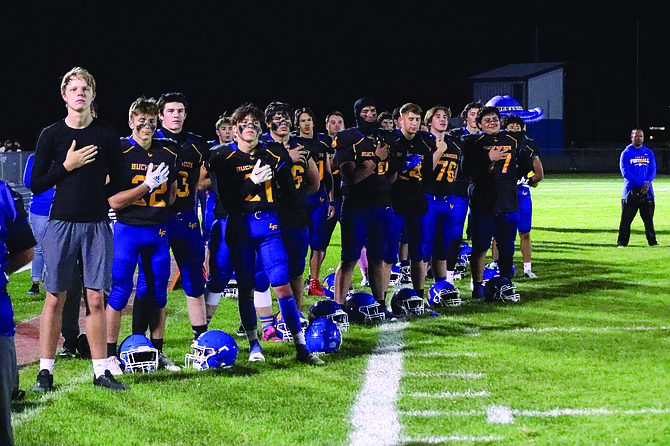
(629, 208)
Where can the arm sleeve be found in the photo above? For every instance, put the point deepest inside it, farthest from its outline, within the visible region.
(43, 176)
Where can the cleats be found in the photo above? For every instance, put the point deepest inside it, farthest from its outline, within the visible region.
(68, 352)
(315, 288)
(165, 363)
(108, 381)
(45, 382)
(270, 335)
(256, 354)
(241, 332)
(309, 358)
(35, 289)
(530, 275)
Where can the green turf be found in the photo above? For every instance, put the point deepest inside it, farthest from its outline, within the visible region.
(575, 341)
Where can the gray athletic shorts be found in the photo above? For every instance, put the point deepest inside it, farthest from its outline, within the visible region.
(64, 242)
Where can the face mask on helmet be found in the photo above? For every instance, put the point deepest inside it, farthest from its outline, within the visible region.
(323, 336)
(362, 307)
(331, 310)
(212, 349)
(230, 290)
(500, 289)
(444, 294)
(396, 276)
(407, 301)
(138, 354)
(282, 328)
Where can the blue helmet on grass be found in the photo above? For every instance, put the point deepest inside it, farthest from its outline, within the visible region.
(138, 354)
(362, 307)
(444, 294)
(212, 349)
(407, 301)
(330, 310)
(323, 336)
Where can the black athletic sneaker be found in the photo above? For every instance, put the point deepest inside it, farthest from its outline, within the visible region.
(68, 352)
(309, 358)
(109, 382)
(35, 289)
(45, 382)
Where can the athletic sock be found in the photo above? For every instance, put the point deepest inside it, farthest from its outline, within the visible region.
(526, 267)
(111, 349)
(266, 322)
(158, 343)
(198, 330)
(99, 367)
(291, 315)
(47, 364)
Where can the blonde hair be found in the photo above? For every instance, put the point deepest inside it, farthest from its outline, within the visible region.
(81, 73)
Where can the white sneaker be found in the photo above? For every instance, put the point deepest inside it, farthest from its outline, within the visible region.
(530, 275)
(114, 366)
(256, 357)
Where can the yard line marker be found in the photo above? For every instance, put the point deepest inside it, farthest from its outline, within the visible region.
(533, 413)
(499, 415)
(442, 354)
(467, 394)
(462, 375)
(582, 329)
(374, 417)
(451, 438)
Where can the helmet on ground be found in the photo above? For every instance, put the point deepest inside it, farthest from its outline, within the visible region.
(323, 336)
(362, 307)
(282, 328)
(330, 310)
(138, 354)
(490, 273)
(230, 290)
(407, 301)
(328, 285)
(444, 294)
(212, 349)
(500, 289)
(465, 253)
(396, 275)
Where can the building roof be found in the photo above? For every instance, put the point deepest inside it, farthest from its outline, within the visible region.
(519, 71)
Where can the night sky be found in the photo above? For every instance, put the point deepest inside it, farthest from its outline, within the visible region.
(325, 55)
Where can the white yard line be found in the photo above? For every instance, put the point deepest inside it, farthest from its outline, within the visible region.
(449, 395)
(374, 415)
(442, 354)
(458, 375)
(503, 414)
(584, 329)
(452, 438)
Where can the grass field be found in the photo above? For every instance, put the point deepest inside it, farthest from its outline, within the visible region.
(583, 359)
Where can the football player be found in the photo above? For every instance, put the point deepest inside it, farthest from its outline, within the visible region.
(363, 158)
(491, 161)
(76, 155)
(141, 205)
(249, 176)
(322, 202)
(447, 195)
(413, 151)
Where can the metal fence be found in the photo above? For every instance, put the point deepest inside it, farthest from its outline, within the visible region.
(12, 165)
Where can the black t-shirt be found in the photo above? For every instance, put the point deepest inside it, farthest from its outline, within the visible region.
(152, 208)
(80, 195)
(194, 150)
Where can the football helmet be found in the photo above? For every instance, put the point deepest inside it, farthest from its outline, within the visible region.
(212, 349)
(138, 354)
(500, 289)
(230, 290)
(330, 310)
(396, 275)
(282, 328)
(407, 301)
(444, 294)
(328, 285)
(465, 253)
(323, 336)
(490, 273)
(362, 307)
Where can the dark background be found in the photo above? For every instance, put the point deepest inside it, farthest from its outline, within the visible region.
(326, 55)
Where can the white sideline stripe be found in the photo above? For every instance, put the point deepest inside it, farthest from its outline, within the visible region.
(442, 354)
(499, 415)
(449, 438)
(374, 417)
(462, 375)
(534, 413)
(581, 329)
(467, 394)
(19, 418)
